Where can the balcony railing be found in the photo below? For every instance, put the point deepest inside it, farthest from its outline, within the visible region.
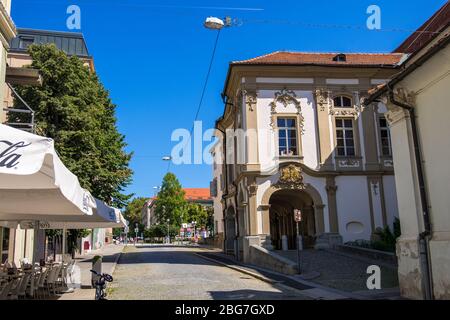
(22, 125)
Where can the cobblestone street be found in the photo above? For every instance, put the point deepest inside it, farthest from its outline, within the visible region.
(163, 272)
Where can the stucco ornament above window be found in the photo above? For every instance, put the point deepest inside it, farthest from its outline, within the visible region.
(290, 178)
(354, 110)
(286, 97)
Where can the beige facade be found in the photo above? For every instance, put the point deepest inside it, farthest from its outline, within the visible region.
(423, 86)
(217, 186)
(343, 196)
(7, 33)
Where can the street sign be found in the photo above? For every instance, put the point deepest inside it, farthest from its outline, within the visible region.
(297, 215)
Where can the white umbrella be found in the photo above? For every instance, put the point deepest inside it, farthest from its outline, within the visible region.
(103, 216)
(34, 181)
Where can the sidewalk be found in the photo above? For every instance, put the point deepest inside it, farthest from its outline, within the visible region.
(111, 254)
(308, 288)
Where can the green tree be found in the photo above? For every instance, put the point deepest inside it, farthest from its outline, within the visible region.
(133, 212)
(198, 213)
(170, 203)
(74, 109)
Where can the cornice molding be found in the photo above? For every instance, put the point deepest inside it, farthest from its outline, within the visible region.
(8, 29)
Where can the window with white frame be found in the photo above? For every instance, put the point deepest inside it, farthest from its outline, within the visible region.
(342, 102)
(385, 137)
(345, 137)
(287, 137)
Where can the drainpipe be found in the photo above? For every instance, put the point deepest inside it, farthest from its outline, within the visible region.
(424, 237)
(225, 101)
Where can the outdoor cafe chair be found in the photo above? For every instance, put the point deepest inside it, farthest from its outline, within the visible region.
(5, 289)
(41, 283)
(22, 292)
(52, 278)
(34, 283)
(19, 289)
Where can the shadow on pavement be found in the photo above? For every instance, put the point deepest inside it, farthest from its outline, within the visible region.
(254, 295)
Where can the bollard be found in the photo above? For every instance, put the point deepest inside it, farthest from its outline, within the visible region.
(96, 266)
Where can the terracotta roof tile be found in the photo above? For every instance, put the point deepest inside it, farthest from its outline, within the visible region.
(427, 32)
(197, 194)
(299, 58)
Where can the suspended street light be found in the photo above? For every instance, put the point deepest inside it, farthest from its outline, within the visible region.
(214, 23)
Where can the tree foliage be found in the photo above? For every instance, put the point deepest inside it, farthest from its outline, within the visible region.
(74, 109)
(133, 211)
(170, 203)
(197, 213)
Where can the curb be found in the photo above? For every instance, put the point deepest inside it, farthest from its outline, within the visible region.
(113, 268)
(239, 269)
(348, 295)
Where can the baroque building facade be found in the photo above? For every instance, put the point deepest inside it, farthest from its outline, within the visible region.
(296, 136)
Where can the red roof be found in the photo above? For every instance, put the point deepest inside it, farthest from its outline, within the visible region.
(426, 32)
(307, 58)
(194, 194)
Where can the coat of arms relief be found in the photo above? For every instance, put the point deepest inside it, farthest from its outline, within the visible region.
(291, 178)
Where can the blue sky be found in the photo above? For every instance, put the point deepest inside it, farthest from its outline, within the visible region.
(153, 56)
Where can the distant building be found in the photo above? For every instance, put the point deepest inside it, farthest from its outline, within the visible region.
(201, 196)
(18, 57)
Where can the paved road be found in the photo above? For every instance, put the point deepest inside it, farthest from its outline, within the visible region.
(153, 272)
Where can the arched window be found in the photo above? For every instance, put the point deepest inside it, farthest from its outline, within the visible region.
(342, 102)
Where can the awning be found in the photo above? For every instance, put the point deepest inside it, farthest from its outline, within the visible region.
(34, 182)
(103, 216)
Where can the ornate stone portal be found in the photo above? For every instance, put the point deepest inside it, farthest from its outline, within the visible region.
(290, 178)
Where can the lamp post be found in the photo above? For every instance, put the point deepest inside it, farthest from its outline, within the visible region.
(168, 231)
(298, 219)
(195, 232)
(136, 230)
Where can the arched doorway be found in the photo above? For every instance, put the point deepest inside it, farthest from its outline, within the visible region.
(230, 231)
(282, 223)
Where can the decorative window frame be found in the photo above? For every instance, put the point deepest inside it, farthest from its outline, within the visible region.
(286, 97)
(386, 161)
(354, 110)
(348, 162)
(297, 118)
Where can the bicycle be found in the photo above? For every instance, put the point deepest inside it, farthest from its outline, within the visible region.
(100, 284)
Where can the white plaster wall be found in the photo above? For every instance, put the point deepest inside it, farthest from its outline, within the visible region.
(390, 198)
(267, 137)
(217, 201)
(377, 206)
(352, 200)
(309, 138)
(433, 119)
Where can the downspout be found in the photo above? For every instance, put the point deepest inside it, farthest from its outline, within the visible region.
(424, 237)
(225, 101)
(224, 144)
